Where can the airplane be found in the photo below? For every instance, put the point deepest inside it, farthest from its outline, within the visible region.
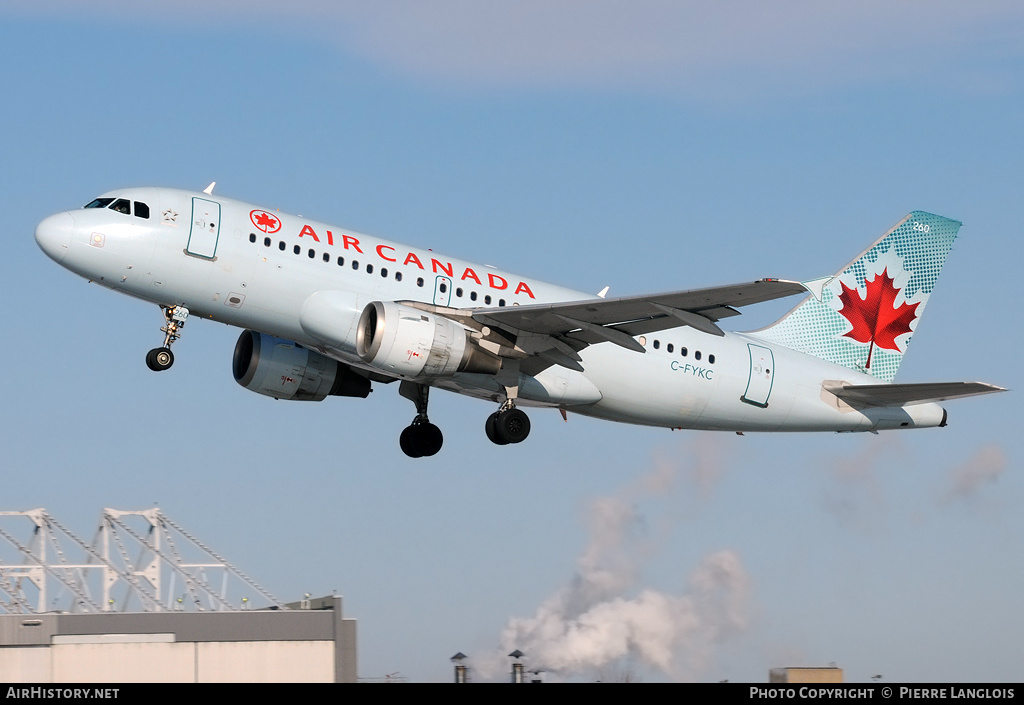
(327, 311)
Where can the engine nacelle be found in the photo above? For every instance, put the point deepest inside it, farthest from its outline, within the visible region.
(282, 369)
(413, 343)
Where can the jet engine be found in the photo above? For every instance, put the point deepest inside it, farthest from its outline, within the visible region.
(413, 343)
(282, 369)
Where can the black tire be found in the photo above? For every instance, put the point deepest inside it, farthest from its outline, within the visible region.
(512, 426)
(428, 439)
(408, 442)
(159, 359)
(491, 429)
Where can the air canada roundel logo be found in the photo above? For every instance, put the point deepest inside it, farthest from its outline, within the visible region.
(265, 221)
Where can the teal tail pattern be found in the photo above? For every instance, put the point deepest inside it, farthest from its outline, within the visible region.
(864, 317)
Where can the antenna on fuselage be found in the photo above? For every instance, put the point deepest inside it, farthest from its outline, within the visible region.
(209, 189)
(603, 292)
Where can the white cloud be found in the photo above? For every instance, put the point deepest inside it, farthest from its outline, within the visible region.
(706, 49)
(982, 468)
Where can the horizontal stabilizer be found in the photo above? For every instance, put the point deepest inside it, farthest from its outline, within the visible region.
(907, 394)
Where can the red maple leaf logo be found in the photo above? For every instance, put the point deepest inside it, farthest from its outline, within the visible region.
(875, 318)
(264, 221)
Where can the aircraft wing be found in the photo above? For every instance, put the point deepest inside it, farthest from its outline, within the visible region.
(558, 331)
(697, 307)
(907, 394)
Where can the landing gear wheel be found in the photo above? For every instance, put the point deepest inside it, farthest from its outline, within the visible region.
(159, 359)
(408, 443)
(491, 429)
(429, 439)
(421, 440)
(512, 426)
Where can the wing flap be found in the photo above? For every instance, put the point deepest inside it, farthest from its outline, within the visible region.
(906, 394)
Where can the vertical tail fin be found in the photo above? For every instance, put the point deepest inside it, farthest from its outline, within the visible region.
(864, 316)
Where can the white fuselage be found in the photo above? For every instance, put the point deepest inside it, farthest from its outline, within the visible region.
(257, 269)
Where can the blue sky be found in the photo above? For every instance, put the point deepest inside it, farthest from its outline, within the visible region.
(660, 147)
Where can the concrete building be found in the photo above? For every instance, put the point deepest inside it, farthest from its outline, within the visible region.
(310, 642)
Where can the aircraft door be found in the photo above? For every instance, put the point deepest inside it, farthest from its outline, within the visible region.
(762, 372)
(202, 239)
(442, 291)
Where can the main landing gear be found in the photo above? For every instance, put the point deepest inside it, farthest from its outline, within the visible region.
(507, 425)
(160, 359)
(420, 438)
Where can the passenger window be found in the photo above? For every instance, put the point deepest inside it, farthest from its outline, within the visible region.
(669, 347)
(355, 264)
(296, 249)
(280, 245)
(327, 257)
(121, 205)
(711, 359)
(419, 281)
(341, 261)
(501, 302)
(487, 299)
(443, 288)
(252, 237)
(472, 295)
(458, 292)
(266, 242)
(312, 253)
(384, 272)
(142, 210)
(398, 276)
(682, 352)
(369, 269)
(657, 344)
(696, 355)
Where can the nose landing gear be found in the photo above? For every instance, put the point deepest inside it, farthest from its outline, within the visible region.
(160, 359)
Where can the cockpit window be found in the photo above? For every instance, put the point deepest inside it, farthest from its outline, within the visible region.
(121, 205)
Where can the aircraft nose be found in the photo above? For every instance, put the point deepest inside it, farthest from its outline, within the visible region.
(53, 235)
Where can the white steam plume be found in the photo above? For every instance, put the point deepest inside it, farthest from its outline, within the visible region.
(602, 620)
